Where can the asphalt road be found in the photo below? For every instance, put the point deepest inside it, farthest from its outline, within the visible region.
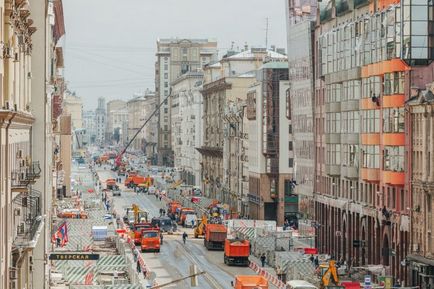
(175, 258)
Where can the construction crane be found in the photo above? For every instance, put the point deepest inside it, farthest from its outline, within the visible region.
(118, 160)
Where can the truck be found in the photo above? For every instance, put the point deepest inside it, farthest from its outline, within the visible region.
(183, 215)
(215, 236)
(137, 229)
(237, 252)
(133, 181)
(150, 240)
(172, 209)
(111, 184)
(250, 282)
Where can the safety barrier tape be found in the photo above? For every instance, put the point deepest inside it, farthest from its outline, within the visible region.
(267, 275)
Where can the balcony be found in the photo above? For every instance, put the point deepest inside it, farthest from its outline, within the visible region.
(370, 175)
(333, 170)
(394, 178)
(28, 218)
(25, 176)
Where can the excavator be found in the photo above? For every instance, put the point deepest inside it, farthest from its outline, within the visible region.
(200, 229)
(329, 275)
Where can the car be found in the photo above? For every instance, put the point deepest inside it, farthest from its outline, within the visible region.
(117, 193)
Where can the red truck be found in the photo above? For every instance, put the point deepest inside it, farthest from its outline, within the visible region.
(150, 240)
(136, 231)
(250, 282)
(237, 252)
(215, 236)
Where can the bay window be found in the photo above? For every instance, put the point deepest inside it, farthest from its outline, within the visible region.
(394, 158)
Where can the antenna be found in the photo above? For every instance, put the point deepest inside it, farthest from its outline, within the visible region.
(266, 33)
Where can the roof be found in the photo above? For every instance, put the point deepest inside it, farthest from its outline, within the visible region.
(251, 53)
(275, 65)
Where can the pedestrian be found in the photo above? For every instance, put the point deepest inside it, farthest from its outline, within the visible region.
(192, 223)
(160, 198)
(263, 259)
(161, 238)
(311, 258)
(316, 262)
(58, 241)
(139, 269)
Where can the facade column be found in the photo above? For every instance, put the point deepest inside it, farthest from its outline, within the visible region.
(425, 129)
(430, 137)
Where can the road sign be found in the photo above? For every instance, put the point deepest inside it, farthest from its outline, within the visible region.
(368, 282)
(76, 257)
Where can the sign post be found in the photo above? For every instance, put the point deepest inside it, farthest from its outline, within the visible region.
(75, 257)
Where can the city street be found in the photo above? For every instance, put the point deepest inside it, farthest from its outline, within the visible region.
(174, 260)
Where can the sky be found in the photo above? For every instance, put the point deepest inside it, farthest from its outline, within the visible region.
(110, 45)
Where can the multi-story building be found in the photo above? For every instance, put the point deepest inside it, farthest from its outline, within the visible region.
(116, 115)
(270, 158)
(151, 129)
(73, 105)
(29, 32)
(300, 18)
(174, 58)
(137, 115)
(421, 128)
(225, 82)
(89, 124)
(366, 52)
(187, 126)
(100, 121)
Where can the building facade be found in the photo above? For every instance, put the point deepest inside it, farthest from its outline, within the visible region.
(365, 52)
(174, 58)
(151, 129)
(300, 18)
(117, 113)
(270, 159)
(73, 105)
(187, 133)
(100, 121)
(89, 125)
(421, 116)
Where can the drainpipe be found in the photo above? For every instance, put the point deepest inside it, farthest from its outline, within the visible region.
(7, 177)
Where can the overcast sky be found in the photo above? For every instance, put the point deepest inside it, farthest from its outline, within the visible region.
(110, 45)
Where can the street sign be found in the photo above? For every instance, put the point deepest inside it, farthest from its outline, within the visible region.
(76, 257)
(368, 282)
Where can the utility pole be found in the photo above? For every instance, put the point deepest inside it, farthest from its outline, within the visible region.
(266, 33)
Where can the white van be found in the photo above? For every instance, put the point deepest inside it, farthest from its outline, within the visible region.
(299, 284)
(190, 221)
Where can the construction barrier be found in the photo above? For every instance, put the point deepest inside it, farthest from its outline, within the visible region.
(267, 275)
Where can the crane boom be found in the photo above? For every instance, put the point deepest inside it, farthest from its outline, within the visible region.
(119, 157)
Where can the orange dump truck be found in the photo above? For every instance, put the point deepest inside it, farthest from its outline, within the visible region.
(133, 181)
(172, 209)
(215, 236)
(150, 240)
(137, 229)
(237, 252)
(250, 282)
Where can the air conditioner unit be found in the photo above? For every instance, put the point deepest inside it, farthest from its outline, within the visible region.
(17, 212)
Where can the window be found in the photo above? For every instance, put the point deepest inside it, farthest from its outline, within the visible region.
(333, 122)
(184, 50)
(371, 156)
(166, 75)
(166, 93)
(350, 122)
(290, 129)
(350, 155)
(166, 66)
(166, 84)
(291, 163)
(290, 146)
(371, 121)
(394, 158)
(166, 110)
(288, 104)
(393, 120)
(333, 154)
(166, 137)
(394, 83)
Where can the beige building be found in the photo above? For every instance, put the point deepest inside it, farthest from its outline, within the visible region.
(271, 158)
(227, 82)
(187, 133)
(137, 115)
(73, 105)
(174, 58)
(421, 257)
(151, 129)
(117, 114)
(25, 139)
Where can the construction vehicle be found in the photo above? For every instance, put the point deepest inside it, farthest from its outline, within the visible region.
(137, 229)
(250, 282)
(111, 184)
(200, 229)
(183, 215)
(329, 274)
(133, 215)
(215, 236)
(134, 181)
(150, 240)
(172, 209)
(118, 159)
(237, 252)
